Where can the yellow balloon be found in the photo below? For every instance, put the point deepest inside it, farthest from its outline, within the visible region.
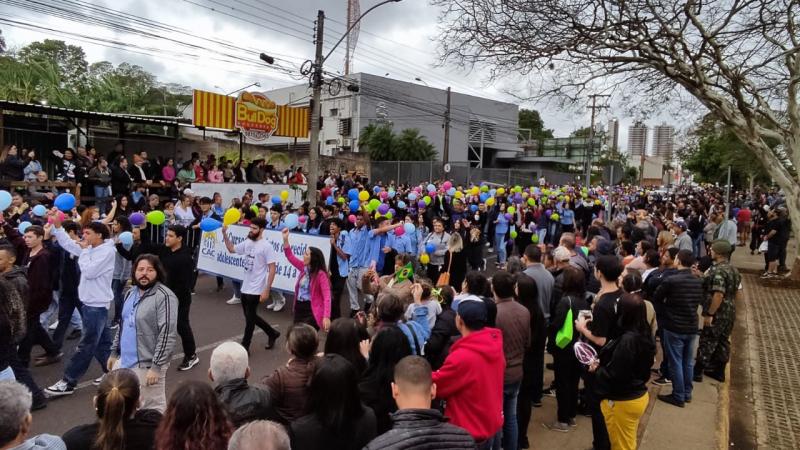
(231, 216)
(490, 201)
(363, 196)
(501, 191)
(424, 258)
(459, 194)
(475, 190)
(511, 210)
(284, 195)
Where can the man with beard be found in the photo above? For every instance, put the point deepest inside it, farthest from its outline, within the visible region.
(147, 333)
(259, 273)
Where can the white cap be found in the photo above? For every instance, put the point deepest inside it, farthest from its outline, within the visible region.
(561, 254)
(189, 192)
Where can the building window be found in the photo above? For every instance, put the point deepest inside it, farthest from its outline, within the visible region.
(345, 126)
(334, 112)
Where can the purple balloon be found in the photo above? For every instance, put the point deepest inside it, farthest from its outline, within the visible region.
(383, 209)
(421, 204)
(548, 213)
(508, 216)
(136, 219)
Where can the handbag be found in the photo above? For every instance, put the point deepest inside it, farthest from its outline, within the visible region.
(444, 277)
(564, 335)
(763, 247)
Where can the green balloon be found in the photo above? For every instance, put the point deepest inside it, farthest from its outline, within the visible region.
(535, 238)
(156, 217)
(513, 235)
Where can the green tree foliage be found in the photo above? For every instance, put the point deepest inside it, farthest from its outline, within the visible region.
(59, 74)
(581, 132)
(714, 148)
(384, 145)
(531, 120)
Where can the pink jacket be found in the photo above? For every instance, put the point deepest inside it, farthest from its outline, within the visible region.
(215, 176)
(319, 288)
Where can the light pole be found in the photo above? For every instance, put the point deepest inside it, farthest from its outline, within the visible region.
(316, 107)
(446, 126)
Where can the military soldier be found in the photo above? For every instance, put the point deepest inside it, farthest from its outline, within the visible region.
(721, 283)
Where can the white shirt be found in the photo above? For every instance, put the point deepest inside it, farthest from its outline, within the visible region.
(97, 269)
(185, 216)
(258, 256)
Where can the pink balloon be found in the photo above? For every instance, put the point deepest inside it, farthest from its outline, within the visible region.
(384, 194)
(301, 219)
(447, 185)
(351, 218)
(399, 231)
(61, 217)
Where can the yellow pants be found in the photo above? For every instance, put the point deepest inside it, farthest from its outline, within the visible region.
(622, 420)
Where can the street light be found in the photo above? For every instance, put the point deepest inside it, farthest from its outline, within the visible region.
(256, 84)
(421, 81)
(316, 83)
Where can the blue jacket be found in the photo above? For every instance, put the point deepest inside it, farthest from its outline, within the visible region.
(417, 330)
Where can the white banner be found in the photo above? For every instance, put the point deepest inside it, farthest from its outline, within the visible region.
(214, 257)
(229, 191)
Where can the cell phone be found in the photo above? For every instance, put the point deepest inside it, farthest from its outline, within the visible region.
(587, 313)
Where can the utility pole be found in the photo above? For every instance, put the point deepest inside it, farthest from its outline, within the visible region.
(728, 195)
(590, 149)
(446, 152)
(316, 106)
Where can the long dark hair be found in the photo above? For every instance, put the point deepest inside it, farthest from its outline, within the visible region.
(333, 395)
(528, 296)
(117, 399)
(574, 282)
(316, 261)
(195, 419)
(318, 221)
(344, 338)
(389, 346)
(633, 315)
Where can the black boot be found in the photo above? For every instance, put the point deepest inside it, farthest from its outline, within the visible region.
(718, 374)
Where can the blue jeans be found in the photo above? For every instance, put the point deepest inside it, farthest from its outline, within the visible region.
(95, 343)
(46, 317)
(500, 247)
(7, 374)
(237, 288)
(101, 198)
(680, 351)
(697, 245)
(510, 431)
(68, 309)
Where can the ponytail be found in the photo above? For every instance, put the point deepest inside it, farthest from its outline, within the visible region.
(117, 398)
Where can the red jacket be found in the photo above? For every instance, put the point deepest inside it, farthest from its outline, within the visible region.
(471, 381)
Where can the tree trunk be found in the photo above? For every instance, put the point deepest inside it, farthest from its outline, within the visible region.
(793, 203)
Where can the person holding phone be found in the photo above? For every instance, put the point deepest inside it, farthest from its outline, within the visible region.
(312, 291)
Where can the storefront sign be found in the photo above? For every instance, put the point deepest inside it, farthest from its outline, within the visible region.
(256, 116)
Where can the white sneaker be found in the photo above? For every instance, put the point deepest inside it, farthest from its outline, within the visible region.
(53, 326)
(59, 389)
(234, 300)
(98, 380)
(279, 303)
(271, 305)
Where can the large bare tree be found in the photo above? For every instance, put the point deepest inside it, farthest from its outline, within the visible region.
(739, 59)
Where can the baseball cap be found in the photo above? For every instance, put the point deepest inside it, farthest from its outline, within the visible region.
(189, 192)
(681, 225)
(473, 313)
(722, 247)
(561, 254)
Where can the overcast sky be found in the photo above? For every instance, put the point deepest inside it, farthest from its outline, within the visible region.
(395, 39)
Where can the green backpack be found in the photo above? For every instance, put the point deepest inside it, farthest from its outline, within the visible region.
(564, 335)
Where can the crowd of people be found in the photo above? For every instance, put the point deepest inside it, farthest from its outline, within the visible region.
(422, 348)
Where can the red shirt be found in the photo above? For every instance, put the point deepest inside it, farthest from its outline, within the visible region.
(471, 381)
(744, 215)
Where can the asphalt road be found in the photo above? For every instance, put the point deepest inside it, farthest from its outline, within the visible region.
(213, 322)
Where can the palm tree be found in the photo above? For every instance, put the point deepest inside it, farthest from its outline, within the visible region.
(379, 141)
(412, 146)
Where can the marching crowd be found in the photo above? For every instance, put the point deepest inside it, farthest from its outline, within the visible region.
(424, 351)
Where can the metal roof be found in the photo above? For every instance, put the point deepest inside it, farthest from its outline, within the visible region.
(7, 105)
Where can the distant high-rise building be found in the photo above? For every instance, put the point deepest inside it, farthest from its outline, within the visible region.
(637, 139)
(663, 141)
(612, 136)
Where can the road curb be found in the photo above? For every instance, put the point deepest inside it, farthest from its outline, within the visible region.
(723, 410)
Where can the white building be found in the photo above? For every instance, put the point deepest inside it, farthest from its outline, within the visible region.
(479, 127)
(637, 139)
(663, 141)
(612, 135)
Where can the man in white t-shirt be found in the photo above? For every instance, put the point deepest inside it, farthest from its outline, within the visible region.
(259, 273)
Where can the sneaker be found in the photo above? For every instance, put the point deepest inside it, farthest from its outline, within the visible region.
(549, 392)
(47, 360)
(234, 300)
(272, 339)
(98, 380)
(572, 423)
(663, 381)
(189, 363)
(39, 403)
(271, 305)
(59, 389)
(279, 303)
(557, 426)
(53, 326)
(671, 400)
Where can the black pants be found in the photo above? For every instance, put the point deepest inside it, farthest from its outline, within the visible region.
(433, 272)
(525, 396)
(568, 374)
(600, 439)
(338, 284)
(185, 328)
(23, 375)
(66, 305)
(303, 314)
(537, 349)
(36, 335)
(251, 319)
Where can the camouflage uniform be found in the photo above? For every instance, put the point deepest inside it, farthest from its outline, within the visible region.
(714, 350)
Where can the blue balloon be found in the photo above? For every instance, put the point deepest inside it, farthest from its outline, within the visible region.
(126, 239)
(64, 202)
(23, 226)
(276, 200)
(451, 192)
(483, 197)
(412, 196)
(473, 208)
(409, 228)
(392, 194)
(329, 200)
(431, 187)
(5, 200)
(352, 194)
(430, 248)
(401, 204)
(209, 224)
(291, 221)
(39, 210)
(354, 205)
(376, 189)
(492, 192)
